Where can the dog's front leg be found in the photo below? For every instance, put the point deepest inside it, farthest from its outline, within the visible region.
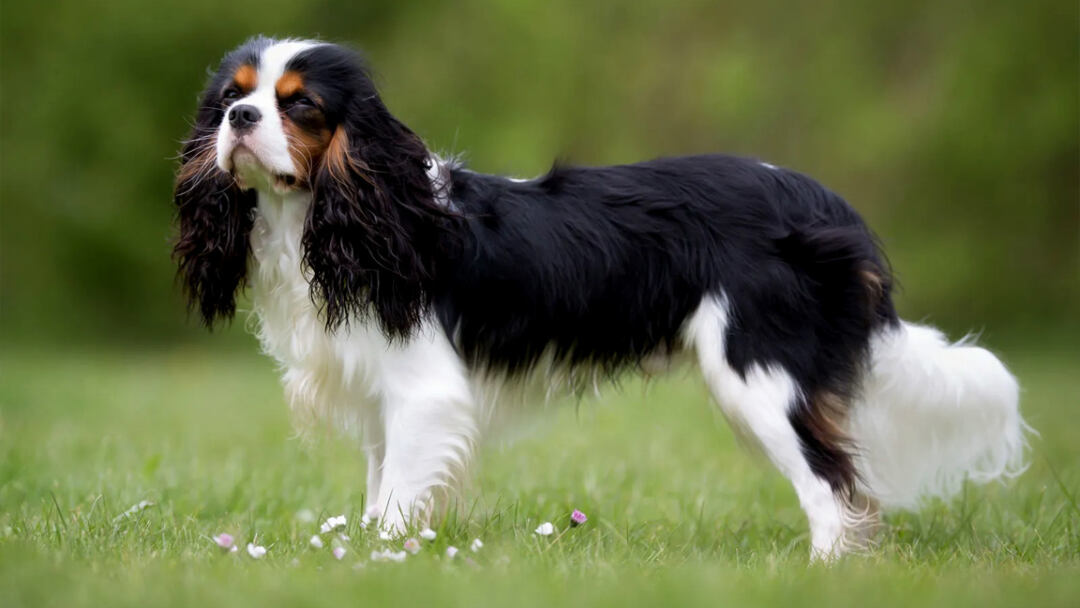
(429, 426)
(374, 446)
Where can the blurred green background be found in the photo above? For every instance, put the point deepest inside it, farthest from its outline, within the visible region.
(951, 125)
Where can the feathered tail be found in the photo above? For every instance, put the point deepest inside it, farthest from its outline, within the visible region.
(933, 414)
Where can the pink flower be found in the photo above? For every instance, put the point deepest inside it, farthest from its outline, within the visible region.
(412, 546)
(339, 552)
(577, 518)
(224, 540)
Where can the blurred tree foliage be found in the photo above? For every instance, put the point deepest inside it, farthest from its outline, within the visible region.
(952, 125)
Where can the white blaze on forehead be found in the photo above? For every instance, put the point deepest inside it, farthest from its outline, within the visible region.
(275, 57)
(267, 140)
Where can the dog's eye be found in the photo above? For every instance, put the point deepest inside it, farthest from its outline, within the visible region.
(300, 102)
(230, 95)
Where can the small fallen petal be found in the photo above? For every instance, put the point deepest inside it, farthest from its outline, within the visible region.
(316, 542)
(476, 545)
(545, 529)
(135, 508)
(412, 546)
(339, 552)
(388, 556)
(234, 549)
(256, 551)
(224, 540)
(451, 551)
(344, 537)
(577, 518)
(427, 534)
(332, 523)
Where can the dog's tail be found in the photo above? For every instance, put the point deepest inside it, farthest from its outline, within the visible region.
(932, 414)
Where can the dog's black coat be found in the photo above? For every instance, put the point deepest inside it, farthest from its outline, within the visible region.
(603, 266)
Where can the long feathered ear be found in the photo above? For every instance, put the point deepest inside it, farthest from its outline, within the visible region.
(374, 236)
(215, 219)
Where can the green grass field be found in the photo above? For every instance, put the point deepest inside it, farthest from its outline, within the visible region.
(678, 514)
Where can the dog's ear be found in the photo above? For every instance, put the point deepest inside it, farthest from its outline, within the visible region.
(215, 219)
(374, 234)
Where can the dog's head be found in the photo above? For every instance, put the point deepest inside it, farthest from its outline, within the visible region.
(297, 116)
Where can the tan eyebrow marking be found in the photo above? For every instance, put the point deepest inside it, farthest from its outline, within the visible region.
(289, 84)
(246, 77)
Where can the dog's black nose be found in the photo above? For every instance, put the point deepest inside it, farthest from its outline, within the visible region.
(244, 117)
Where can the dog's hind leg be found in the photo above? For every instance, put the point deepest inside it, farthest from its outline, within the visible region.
(760, 402)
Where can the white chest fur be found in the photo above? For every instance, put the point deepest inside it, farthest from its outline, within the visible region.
(338, 377)
(319, 369)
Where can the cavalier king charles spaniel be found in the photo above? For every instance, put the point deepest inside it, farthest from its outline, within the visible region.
(405, 297)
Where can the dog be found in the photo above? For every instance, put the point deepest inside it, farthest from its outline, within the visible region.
(401, 293)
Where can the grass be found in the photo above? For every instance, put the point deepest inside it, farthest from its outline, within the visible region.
(678, 514)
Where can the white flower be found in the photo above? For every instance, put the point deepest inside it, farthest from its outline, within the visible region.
(388, 556)
(305, 516)
(545, 529)
(412, 546)
(427, 534)
(135, 508)
(234, 549)
(339, 552)
(256, 551)
(451, 551)
(332, 523)
(142, 504)
(316, 542)
(384, 535)
(476, 545)
(344, 537)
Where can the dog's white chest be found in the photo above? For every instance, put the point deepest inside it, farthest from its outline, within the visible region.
(340, 374)
(318, 367)
(289, 326)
